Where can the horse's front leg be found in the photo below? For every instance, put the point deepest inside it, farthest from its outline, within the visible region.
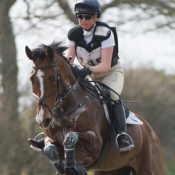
(69, 147)
(51, 152)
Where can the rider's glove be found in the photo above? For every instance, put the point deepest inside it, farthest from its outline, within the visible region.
(84, 72)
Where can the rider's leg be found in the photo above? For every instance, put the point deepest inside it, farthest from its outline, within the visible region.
(115, 80)
(119, 119)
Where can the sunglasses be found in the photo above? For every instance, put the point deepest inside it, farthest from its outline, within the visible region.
(87, 17)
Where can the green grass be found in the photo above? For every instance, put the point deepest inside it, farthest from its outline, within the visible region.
(169, 168)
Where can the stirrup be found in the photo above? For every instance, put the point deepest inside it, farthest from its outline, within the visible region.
(127, 148)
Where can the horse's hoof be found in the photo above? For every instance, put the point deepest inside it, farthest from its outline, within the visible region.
(71, 171)
(81, 170)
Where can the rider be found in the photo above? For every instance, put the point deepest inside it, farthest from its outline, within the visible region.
(96, 47)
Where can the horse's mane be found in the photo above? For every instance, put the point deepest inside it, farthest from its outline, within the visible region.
(57, 47)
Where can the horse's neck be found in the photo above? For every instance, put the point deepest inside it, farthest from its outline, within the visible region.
(67, 78)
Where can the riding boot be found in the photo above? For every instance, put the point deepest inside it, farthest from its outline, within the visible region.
(37, 143)
(119, 119)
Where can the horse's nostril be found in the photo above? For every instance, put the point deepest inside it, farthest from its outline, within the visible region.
(46, 122)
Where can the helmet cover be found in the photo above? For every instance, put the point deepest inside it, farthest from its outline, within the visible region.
(88, 7)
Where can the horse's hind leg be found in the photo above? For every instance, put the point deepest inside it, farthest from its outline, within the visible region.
(51, 152)
(150, 160)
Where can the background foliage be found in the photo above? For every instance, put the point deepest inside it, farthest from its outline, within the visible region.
(152, 88)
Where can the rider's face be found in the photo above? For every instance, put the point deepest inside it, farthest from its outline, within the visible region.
(86, 24)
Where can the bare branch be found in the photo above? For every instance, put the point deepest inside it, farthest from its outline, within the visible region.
(67, 11)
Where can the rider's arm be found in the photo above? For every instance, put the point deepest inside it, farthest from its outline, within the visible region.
(107, 47)
(70, 51)
(106, 57)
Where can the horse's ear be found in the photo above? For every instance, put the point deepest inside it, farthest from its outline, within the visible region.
(29, 53)
(49, 52)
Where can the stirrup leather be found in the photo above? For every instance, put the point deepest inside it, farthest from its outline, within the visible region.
(127, 148)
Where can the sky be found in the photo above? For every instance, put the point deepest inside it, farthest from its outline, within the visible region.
(136, 47)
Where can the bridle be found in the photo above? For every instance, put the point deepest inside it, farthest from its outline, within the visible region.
(41, 99)
(58, 101)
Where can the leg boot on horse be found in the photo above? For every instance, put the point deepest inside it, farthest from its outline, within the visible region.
(71, 168)
(119, 118)
(51, 152)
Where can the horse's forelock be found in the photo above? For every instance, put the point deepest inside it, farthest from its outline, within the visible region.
(57, 47)
(40, 51)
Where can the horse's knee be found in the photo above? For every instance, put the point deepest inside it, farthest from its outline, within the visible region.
(51, 151)
(48, 140)
(70, 140)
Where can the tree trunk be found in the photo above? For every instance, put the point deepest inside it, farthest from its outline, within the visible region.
(8, 96)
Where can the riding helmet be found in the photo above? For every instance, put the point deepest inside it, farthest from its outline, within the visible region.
(88, 7)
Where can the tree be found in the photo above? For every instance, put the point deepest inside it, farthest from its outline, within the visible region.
(151, 9)
(9, 95)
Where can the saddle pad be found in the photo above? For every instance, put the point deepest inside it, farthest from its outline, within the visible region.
(132, 119)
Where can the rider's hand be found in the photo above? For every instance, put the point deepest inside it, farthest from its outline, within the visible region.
(84, 72)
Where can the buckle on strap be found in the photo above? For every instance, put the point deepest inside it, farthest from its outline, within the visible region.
(127, 148)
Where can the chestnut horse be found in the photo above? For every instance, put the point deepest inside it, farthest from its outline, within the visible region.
(78, 131)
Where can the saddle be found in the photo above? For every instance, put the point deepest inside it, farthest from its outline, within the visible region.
(105, 98)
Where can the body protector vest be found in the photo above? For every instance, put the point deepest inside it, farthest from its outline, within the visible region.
(89, 54)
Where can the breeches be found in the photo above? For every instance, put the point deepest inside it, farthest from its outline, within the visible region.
(114, 79)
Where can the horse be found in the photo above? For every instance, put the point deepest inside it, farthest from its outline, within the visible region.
(76, 135)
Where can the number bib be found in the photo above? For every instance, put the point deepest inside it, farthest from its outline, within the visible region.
(88, 59)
